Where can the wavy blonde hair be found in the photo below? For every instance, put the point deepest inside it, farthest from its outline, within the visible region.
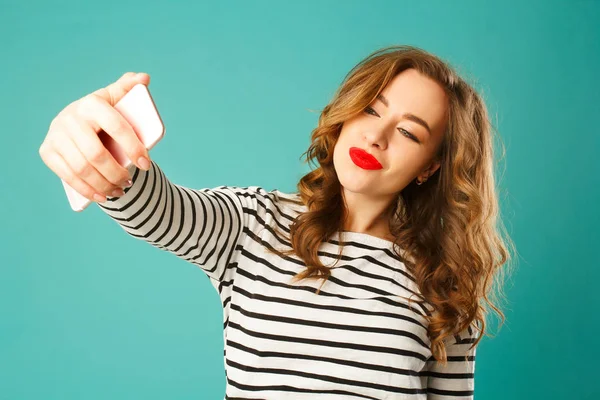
(447, 230)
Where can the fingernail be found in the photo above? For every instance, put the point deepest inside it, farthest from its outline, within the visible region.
(99, 198)
(117, 193)
(127, 183)
(144, 163)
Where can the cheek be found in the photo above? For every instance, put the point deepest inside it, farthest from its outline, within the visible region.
(338, 156)
(403, 163)
(341, 147)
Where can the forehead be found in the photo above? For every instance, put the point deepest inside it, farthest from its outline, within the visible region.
(412, 92)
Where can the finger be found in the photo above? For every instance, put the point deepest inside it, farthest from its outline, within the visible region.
(116, 90)
(91, 150)
(81, 167)
(100, 115)
(59, 166)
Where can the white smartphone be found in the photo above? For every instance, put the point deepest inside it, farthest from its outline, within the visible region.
(138, 108)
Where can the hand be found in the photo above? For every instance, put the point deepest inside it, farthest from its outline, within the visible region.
(74, 152)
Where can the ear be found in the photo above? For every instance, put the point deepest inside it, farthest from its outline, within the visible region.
(430, 170)
(434, 167)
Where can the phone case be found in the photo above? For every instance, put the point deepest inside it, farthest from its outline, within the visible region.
(138, 108)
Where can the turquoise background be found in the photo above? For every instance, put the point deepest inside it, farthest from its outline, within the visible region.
(87, 312)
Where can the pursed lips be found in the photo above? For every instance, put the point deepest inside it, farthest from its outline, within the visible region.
(364, 159)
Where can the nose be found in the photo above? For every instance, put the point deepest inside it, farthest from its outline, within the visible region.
(377, 136)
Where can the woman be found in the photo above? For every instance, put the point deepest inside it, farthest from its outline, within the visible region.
(397, 223)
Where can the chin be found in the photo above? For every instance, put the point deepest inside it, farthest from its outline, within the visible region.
(355, 183)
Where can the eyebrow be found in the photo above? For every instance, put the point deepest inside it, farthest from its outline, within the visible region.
(408, 116)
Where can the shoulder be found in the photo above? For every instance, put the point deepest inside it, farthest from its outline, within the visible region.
(259, 197)
(288, 199)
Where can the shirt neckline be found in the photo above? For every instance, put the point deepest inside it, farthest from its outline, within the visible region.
(349, 235)
(365, 238)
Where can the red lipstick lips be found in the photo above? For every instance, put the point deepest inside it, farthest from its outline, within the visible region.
(364, 159)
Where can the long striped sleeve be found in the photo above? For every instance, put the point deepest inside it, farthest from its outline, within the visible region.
(201, 226)
(455, 380)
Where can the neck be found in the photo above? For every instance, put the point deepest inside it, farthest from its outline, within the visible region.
(368, 214)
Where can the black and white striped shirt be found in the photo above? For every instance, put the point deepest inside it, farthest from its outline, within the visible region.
(359, 338)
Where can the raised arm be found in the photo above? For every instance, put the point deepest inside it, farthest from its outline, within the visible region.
(202, 226)
(205, 226)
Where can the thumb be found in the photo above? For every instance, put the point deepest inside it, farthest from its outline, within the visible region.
(116, 90)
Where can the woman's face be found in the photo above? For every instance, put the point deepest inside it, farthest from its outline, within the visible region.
(403, 146)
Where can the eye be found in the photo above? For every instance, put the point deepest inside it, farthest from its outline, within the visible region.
(369, 110)
(372, 113)
(408, 134)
